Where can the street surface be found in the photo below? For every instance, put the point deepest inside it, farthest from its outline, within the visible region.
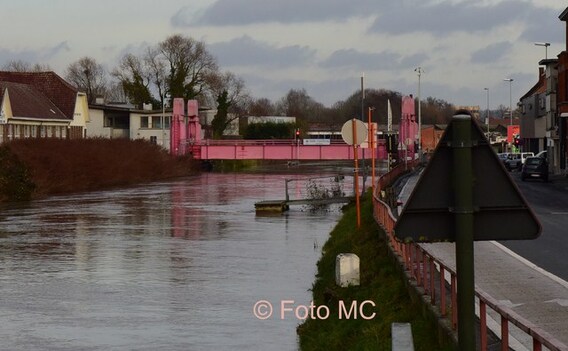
(549, 201)
(530, 291)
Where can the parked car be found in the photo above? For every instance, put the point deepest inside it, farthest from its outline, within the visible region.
(516, 161)
(503, 157)
(542, 154)
(535, 167)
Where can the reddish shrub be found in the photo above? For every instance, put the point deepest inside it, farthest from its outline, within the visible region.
(59, 166)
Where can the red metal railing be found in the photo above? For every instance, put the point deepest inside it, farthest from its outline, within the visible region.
(426, 269)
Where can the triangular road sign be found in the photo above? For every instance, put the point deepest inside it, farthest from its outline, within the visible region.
(500, 210)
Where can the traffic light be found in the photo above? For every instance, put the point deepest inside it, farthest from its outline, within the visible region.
(517, 140)
(297, 132)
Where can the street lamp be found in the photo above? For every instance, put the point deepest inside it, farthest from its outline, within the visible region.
(419, 71)
(510, 80)
(487, 116)
(546, 45)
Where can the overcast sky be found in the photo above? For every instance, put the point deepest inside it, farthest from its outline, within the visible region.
(323, 46)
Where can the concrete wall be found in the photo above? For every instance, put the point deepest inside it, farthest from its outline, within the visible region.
(160, 133)
(95, 125)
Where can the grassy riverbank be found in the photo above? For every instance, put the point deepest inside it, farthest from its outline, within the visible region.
(34, 168)
(381, 283)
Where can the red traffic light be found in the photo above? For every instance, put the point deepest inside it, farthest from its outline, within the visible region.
(297, 132)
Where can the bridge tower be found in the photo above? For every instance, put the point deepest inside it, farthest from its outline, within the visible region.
(177, 128)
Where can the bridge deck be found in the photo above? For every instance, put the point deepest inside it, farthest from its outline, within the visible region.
(279, 150)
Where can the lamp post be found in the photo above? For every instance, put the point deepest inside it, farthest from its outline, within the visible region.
(487, 115)
(419, 71)
(510, 80)
(546, 45)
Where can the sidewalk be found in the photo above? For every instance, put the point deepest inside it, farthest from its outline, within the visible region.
(533, 293)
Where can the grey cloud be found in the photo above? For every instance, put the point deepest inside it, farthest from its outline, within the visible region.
(413, 60)
(467, 16)
(243, 12)
(326, 92)
(61, 47)
(34, 56)
(552, 30)
(491, 53)
(371, 61)
(245, 51)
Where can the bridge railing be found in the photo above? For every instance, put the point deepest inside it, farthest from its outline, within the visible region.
(260, 142)
(439, 281)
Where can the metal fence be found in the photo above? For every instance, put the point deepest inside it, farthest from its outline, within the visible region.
(439, 282)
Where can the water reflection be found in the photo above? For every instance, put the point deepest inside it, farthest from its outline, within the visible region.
(175, 265)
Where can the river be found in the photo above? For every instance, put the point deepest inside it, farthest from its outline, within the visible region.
(173, 265)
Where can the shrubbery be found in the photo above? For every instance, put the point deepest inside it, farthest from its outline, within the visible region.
(269, 130)
(15, 181)
(36, 167)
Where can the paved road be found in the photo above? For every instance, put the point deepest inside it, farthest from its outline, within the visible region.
(550, 203)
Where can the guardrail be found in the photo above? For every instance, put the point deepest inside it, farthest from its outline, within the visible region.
(242, 142)
(431, 273)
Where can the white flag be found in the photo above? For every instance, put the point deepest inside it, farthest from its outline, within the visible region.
(389, 116)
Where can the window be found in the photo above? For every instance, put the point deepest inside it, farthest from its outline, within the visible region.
(108, 121)
(167, 123)
(157, 122)
(154, 139)
(144, 122)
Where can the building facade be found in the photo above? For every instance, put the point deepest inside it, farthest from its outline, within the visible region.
(533, 112)
(40, 105)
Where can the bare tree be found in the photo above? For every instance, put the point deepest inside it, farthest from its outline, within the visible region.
(230, 96)
(24, 66)
(188, 62)
(116, 93)
(88, 76)
(261, 107)
(156, 66)
(297, 103)
(134, 78)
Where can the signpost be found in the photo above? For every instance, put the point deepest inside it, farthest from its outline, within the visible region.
(465, 194)
(354, 132)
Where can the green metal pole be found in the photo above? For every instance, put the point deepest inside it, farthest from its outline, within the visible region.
(463, 214)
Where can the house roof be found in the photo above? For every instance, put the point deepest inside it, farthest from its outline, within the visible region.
(564, 15)
(27, 102)
(53, 87)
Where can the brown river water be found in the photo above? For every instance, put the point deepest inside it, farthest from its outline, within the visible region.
(165, 266)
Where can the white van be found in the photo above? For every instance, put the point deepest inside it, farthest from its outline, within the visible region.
(516, 161)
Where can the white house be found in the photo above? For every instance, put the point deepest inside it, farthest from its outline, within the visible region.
(122, 121)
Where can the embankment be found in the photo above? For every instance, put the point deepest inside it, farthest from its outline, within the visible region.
(381, 283)
(32, 168)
